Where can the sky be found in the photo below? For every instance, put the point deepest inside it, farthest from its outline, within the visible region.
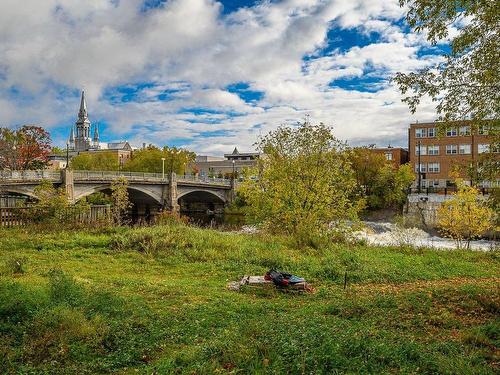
(210, 75)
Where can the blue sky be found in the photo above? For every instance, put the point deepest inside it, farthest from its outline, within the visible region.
(209, 75)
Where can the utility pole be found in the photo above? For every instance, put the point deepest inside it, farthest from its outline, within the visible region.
(163, 168)
(419, 168)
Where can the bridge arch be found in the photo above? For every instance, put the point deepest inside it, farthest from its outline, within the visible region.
(86, 191)
(27, 192)
(200, 200)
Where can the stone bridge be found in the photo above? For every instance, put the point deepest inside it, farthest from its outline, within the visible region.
(147, 191)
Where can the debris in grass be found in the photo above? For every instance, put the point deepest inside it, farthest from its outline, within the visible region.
(281, 280)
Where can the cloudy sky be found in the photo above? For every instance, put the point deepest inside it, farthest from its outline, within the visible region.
(209, 75)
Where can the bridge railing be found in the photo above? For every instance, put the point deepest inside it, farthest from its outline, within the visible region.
(30, 175)
(79, 175)
(204, 179)
(111, 175)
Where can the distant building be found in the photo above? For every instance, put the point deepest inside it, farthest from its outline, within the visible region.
(396, 155)
(211, 166)
(236, 155)
(81, 140)
(434, 158)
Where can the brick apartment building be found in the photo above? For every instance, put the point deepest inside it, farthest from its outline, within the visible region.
(396, 155)
(442, 154)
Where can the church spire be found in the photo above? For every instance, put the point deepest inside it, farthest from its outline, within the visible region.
(82, 114)
(96, 135)
(72, 135)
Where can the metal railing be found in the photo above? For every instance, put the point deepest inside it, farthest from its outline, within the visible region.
(111, 175)
(78, 175)
(30, 175)
(204, 179)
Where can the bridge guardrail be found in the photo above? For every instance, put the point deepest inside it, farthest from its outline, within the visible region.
(30, 175)
(204, 179)
(79, 175)
(111, 175)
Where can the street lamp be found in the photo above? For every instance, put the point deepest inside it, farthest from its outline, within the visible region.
(232, 177)
(14, 161)
(67, 154)
(162, 168)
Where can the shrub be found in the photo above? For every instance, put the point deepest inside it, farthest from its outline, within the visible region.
(15, 266)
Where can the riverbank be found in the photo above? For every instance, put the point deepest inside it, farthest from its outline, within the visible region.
(155, 300)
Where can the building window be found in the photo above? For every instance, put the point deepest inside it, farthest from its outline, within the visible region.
(464, 130)
(483, 130)
(420, 132)
(422, 149)
(431, 132)
(464, 149)
(452, 132)
(435, 183)
(433, 167)
(432, 150)
(422, 168)
(388, 155)
(451, 149)
(483, 148)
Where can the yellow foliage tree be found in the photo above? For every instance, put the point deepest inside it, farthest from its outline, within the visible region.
(466, 216)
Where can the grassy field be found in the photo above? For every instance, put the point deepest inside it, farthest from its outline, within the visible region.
(154, 300)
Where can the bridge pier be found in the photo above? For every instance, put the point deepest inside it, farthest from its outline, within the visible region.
(68, 183)
(169, 194)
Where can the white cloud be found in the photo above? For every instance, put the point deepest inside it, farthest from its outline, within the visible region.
(188, 49)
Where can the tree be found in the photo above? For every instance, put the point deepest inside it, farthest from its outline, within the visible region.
(465, 217)
(120, 200)
(25, 148)
(304, 183)
(51, 204)
(466, 83)
(149, 159)
(378, 181)
(96, 161)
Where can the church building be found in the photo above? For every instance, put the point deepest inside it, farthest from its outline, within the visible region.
(81, 140)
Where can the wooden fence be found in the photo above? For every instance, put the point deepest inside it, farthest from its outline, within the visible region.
(20, 216)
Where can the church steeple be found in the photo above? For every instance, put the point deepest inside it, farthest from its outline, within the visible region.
(82, 114)
(96, 135)
(82, 139)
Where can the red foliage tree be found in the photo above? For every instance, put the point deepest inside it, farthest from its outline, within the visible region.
(25, 148)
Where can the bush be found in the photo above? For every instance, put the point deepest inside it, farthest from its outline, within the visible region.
(15, 266)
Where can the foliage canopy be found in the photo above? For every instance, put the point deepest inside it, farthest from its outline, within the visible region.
(304, 183)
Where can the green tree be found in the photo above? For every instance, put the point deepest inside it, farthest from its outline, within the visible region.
(120, 201)
(149, 159)
(51, 204)
(466, 84)
(465, 217)
(95, 161)
(304, 184)
(378, 181)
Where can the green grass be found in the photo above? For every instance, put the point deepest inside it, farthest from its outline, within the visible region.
(155, 300)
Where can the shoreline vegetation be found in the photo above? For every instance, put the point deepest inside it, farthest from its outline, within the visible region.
(154, 299)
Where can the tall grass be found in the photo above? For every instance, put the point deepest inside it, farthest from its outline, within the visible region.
(153, 300)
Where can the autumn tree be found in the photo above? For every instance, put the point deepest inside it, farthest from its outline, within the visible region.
(304, 183)
(378, 181)
(149, 159)
(95, 161)
(120, 203)
(51, 203)
(25, 148)
(466, 216)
